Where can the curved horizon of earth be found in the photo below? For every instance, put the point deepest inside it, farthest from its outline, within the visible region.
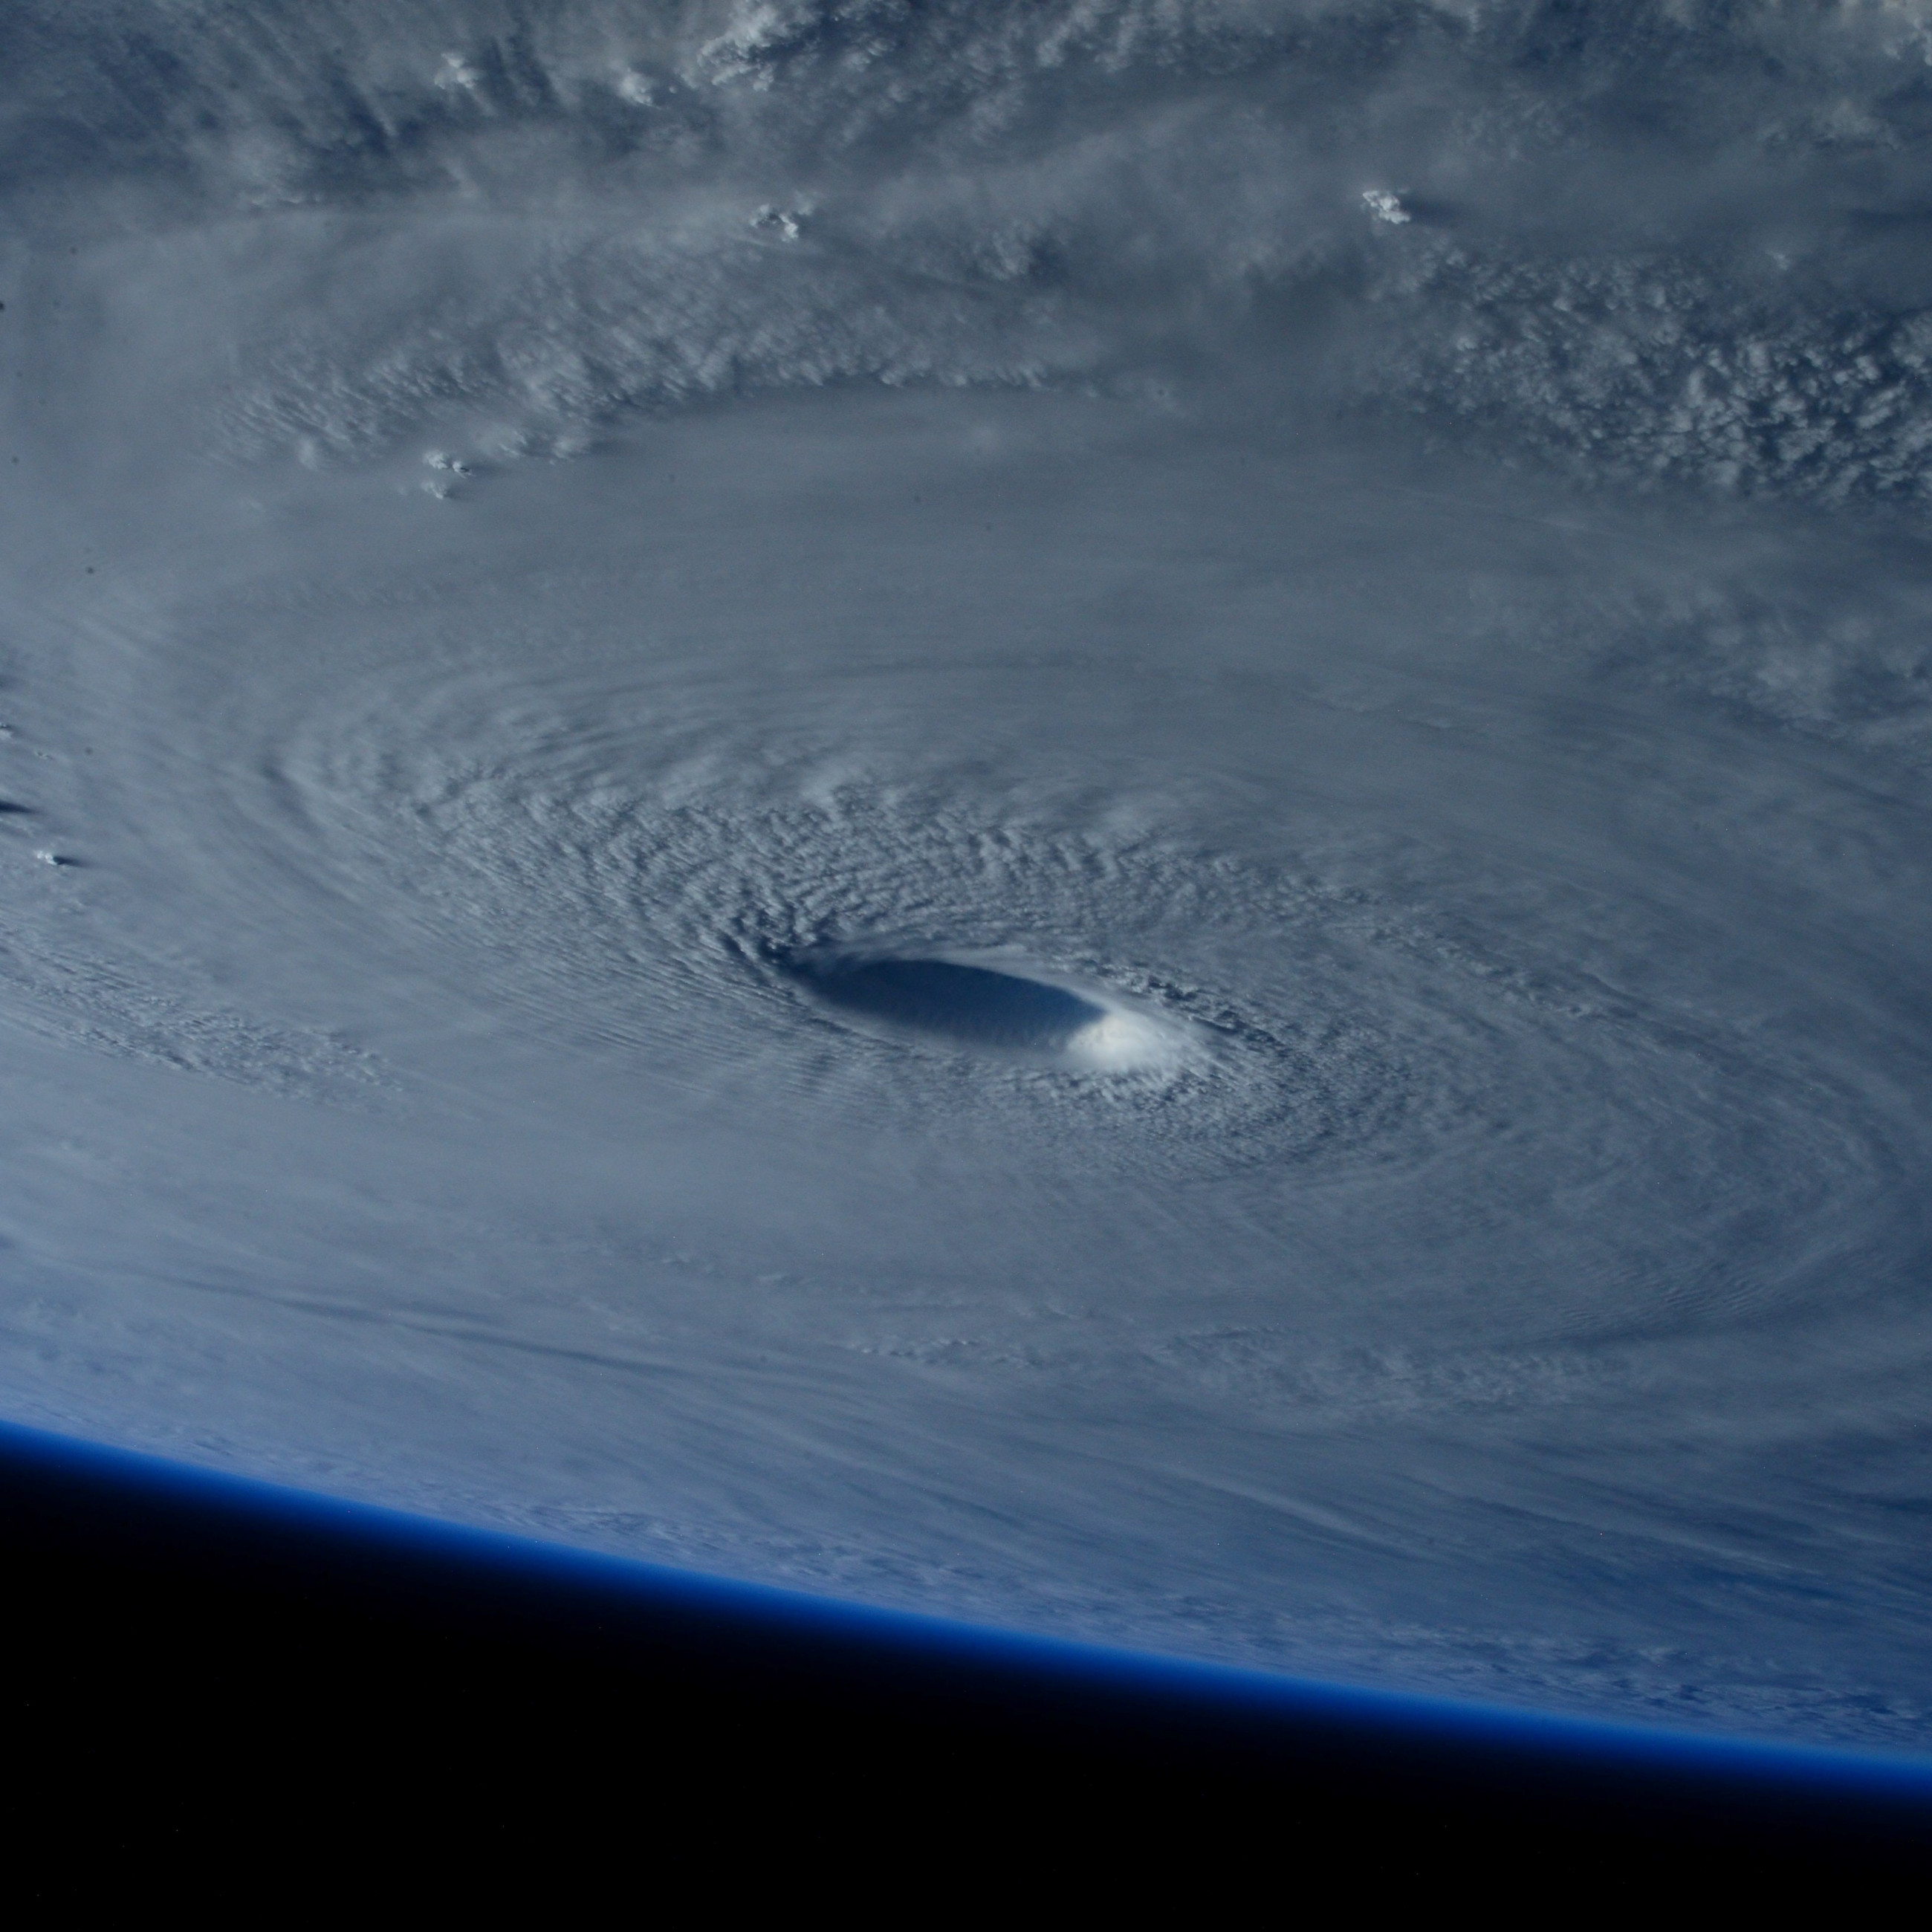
(1104, 816)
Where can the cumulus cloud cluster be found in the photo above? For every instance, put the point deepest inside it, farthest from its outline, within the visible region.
(617, 208)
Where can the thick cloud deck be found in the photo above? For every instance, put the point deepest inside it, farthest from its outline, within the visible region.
(1108, 815)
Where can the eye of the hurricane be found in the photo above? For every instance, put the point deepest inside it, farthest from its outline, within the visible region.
(986, 1008)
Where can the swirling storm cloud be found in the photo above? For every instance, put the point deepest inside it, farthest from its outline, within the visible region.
(1108, 815)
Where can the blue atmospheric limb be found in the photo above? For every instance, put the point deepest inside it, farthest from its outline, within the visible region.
(1267, 1724)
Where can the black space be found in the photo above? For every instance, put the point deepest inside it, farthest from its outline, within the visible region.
(201, 1684)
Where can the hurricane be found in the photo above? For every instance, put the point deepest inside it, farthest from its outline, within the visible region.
(1105, 815)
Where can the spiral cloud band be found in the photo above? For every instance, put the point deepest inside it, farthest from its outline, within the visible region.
(1109, 815)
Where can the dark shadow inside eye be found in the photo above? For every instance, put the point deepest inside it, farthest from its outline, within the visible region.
(975, 1005)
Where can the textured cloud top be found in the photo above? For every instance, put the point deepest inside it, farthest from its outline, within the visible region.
(1113, 815)
(1658, 241)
